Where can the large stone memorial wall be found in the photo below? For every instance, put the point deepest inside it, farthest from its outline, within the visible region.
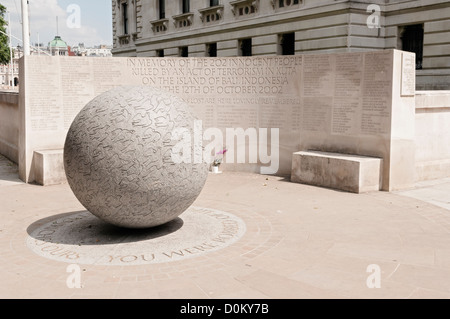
(352, 103)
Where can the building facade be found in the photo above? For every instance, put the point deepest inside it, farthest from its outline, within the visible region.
(58, 47)
(96, 51)
(226, 28)
(9, 73)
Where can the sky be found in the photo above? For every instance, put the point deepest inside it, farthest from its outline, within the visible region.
(79, 21)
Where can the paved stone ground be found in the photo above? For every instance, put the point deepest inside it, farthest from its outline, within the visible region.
(436, 192)
(300, 242)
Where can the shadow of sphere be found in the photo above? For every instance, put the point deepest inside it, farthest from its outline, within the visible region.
(83, 228)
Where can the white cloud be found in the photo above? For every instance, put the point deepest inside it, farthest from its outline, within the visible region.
(43, 14)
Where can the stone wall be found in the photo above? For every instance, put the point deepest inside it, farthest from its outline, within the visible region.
(432, 134)
(354, 103)
(9, 125)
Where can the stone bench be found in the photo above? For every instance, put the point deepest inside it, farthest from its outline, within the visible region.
(352, 173)
(49, 167)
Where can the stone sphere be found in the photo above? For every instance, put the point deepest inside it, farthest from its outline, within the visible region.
(118, 157)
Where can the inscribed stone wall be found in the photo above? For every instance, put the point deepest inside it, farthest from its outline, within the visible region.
(332, 102)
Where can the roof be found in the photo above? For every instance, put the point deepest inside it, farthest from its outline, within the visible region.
(57, 42)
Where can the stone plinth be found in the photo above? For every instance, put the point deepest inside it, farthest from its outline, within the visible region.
(357, 174)
(49, 167)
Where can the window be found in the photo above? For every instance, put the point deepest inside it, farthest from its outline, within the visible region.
(185, 6)
(412, 41)
(287, 3)
(287, 44)
(245, 47)
(211, 49)
(161, 24)
(244, 7)
(183, 52)
(162, 9)
(160, 53)
(125, 17)
(213, 13)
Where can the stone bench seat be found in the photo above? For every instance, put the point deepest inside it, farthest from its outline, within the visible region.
(49, 167)
(351, 173)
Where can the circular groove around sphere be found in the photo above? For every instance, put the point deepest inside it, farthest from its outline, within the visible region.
(118, 162)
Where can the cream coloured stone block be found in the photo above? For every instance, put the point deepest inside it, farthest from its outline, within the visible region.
(171, 52)
(227, 52)
(391, 31)
(363, 30)
(437, 49)
(321, 43)
(49, 167)
(356, 174)
(437, 38)
(222, 45)
(422, 15)
(322, 32)
(266, 39)
(428, 82)
(367, 42)
(268, 49)
(197, 48)
(437, 26)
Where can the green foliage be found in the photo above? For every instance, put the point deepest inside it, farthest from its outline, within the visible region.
(4, 41)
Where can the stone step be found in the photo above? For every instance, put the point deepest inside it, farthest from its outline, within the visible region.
(351, 173)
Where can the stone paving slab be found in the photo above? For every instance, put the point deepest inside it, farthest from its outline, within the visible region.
(300, 242)
(436, 192)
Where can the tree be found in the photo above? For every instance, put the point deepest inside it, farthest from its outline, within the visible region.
(4, 41)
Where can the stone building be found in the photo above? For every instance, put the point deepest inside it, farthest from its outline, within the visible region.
(58, 47)
(225, 28)
(9, 74)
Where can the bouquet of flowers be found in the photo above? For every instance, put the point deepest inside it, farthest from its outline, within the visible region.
(219, 157)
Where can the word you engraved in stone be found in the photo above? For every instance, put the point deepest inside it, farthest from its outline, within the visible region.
(229, 233)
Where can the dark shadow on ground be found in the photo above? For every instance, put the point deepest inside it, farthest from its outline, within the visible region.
(9, 171)
(83, 228)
